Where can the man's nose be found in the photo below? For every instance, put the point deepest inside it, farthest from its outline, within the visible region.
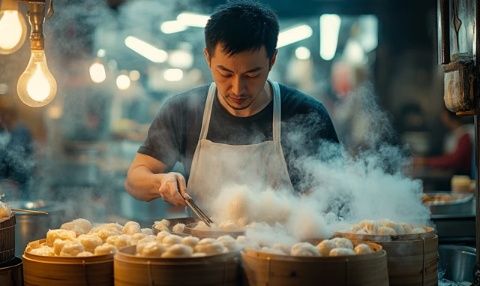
(238, 85)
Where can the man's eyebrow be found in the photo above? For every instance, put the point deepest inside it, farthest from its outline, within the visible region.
(249, 71)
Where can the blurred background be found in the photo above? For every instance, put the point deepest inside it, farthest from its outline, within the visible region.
(115, 62)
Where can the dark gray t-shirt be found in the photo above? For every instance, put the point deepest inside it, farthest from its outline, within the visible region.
(174, 133)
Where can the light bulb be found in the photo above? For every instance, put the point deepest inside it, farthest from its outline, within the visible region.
(13, 28)
(97, 72)
(36, 86)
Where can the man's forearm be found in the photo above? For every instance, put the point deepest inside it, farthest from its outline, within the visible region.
(143, 184)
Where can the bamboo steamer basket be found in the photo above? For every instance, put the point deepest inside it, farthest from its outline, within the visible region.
(281, 270)
(7, 238)
(222, 269)
(412, 258)
(11, 273)
(66, 271)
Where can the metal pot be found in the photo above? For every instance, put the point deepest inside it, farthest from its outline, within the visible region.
(30, 226)
(457, 262)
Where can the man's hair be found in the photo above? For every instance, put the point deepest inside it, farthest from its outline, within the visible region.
(242, 26)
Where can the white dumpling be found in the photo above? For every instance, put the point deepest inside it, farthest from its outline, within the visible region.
(408, 228)
(79, 226)
(393, 225)
(137, 237)
(161, 235)
(211, 248)
(171, 240)
(43, 250)
(304, 249)
(418, 230)
(72, 248)
(120, 241)
(207, 240)
(190, 241)
(369, 226)
(178, 228)
(283, 248)
(229, 242)
(131, 227)
(90, 241)
(61, 234)
(362, 248)
(201, 226)
(5, 210)
(178, 250)
(342, 242)
(385, 230)
(142, 242)
(341, 252)
(58, 245)
(84, 254)
(325, 246)
(151, 249)
(199, 254)
(161, 225)
(147, 231)
(105, 248)
(228, 226)
(271, 250)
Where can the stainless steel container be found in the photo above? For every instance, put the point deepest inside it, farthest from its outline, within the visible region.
(457, 263)
(30, 226)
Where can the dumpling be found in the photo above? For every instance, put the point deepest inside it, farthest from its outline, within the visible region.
(161, 225)
(147, 231)
(131, 227)
(408, 228)
(104, 231)
(362, 248)
(105, 248)
(120, 241)
(190, 241)
(171, 240)
(393, 225)
(212, 248)
(199, 254)
(58, 244)
(161, 235)
(178, 250)
(201, 226)
(137, 237)
(385, 230)
(72, 248)
(151, 249)
(90, 241)
(178, 228)
(142, 242)
(5, 210)
(79, 226)
(207, 240)
(229, 242)
(283, 248)
(61, 234)
(304, 249)
(340, 251)
(43, 250)
(418, 230)
(228, 226)
(325, 246)
(84, 254)
(271, 250)
(342, 242)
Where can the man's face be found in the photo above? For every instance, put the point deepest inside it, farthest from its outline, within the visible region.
(240, 78)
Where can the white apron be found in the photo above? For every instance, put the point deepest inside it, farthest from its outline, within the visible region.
(215, 166)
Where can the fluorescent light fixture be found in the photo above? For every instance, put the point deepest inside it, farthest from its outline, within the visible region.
(329, 28)
(170, 27)
(146, 50)
(173, 74)
(302, 53)
(192, 19)
(97, 72)
(180, 59)
(292, 35)
(354, 52)
(123, 82)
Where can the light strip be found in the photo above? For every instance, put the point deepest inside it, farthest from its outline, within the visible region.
(192, 19)
(146, 50)
(292, 35)
(170, 27)
(329, 28)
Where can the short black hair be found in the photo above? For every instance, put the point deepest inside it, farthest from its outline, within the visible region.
(242, 26)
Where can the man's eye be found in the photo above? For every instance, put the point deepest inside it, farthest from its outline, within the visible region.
(225, 74)
(252, 75)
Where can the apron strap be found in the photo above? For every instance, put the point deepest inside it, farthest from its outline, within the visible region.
(207, 111)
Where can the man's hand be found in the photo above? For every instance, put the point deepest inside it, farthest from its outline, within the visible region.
(173, 184)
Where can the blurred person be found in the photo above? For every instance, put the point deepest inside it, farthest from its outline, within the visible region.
(16, 150)
(457, 147)
(240, 129)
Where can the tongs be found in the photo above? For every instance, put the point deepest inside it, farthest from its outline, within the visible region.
(195, 208)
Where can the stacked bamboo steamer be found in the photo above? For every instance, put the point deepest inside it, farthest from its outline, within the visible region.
(68, 271)
(412, 258)
(10, 266)
(271, 269)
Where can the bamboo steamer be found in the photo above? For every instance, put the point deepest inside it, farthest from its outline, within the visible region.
(7, 238)
(412, 259)
(220, 269)
(281, 270)
(11, 273)
(66, 271)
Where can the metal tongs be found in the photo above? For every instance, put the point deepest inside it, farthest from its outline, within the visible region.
(197, 210)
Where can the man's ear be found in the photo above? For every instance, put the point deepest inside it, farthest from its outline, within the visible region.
(207, 56)
(273, 59)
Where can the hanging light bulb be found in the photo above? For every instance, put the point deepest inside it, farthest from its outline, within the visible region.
(13, 28)
(36, 86)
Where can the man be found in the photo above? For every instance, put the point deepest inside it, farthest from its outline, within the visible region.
(242, 129)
